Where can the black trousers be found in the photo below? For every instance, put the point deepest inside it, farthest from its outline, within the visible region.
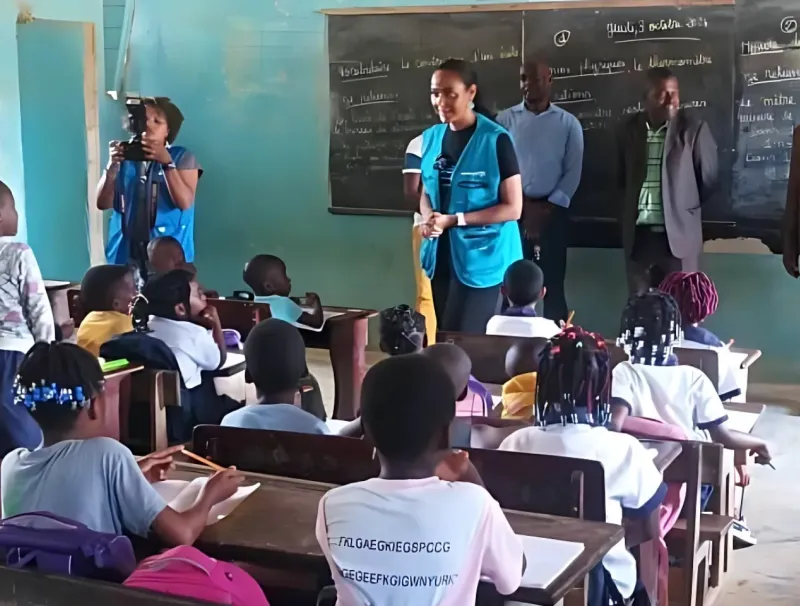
(651, 260)
(552, 259)
(460, 308)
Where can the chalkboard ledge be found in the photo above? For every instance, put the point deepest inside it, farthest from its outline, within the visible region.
(381, 212)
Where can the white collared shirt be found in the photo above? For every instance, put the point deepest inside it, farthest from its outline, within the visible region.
(193, 346)
(631, 479)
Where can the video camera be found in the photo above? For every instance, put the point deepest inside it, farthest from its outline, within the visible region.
(137, 125)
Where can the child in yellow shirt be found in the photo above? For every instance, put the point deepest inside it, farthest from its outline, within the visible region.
(107, 292)
(522, 363)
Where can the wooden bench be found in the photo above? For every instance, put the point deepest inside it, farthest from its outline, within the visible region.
(25, 588)
(488, 353)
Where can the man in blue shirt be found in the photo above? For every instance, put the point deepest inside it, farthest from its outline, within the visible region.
(549, 144)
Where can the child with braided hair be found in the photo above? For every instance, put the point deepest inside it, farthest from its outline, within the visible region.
(697, 299)
(572, 409)
(83, 476)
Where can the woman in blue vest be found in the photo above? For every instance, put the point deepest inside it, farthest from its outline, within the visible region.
(170, 181)
(470, 204)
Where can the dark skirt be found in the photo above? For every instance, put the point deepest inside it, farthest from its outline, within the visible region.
(17, 427)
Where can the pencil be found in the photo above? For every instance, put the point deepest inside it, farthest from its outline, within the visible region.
(202, 460)
(569, 319)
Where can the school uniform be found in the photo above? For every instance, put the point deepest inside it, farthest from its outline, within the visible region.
(193, 346)
(678, 395)
(25, 318)
(462, 172)
(477, 402)
(413, 165)
(633, 484)
(282, 308)
(696, 337)
(276, 417)
(96, 482)
(195, 351)
(422, 541)
(519, 395)
(98, 327)
(522, 322)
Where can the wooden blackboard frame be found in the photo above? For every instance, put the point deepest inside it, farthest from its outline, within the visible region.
(516, 6)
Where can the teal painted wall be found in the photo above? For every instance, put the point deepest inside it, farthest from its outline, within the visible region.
(54, 144)
(251, 78)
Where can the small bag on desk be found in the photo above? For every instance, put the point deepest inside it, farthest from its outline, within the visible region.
(53, 545)
(188, 572)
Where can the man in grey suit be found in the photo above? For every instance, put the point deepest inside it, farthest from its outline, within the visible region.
(667, 170)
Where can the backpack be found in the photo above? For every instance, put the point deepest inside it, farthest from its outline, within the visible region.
(53, 545)
(188, 572)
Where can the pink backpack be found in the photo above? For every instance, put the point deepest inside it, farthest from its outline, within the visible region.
(188, 572)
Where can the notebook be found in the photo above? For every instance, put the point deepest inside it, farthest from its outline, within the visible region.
(546, 560)
(181, 495)
(326, 315)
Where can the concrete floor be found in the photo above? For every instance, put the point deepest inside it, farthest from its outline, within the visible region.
(767, 574)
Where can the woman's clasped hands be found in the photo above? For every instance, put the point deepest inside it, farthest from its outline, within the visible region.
(436, 223)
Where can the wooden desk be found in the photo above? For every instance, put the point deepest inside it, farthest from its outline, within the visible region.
(25, 588)
(117, 398)
(57, 294)
(289, 541)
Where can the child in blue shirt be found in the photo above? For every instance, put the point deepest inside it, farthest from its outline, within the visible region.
(275, 357)
(85, 477)
(266, 276)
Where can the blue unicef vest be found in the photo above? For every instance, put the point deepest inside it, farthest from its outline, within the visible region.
(480, 253)
(169, 221)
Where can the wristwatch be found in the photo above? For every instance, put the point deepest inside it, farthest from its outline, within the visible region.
(461, 220)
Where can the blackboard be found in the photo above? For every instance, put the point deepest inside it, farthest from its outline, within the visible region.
(380, 71)
(599, 58)
(768, 58)
(599, 55)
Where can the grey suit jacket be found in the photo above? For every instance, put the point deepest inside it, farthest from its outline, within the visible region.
(688, 178)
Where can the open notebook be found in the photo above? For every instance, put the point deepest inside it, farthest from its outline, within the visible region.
(546, 560)
(326, 315)
(181, 495)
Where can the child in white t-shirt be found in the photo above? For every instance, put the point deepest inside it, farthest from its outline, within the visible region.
(697, 299)
(653, 384)
(421, 533)
(523, 288)
(572, 409)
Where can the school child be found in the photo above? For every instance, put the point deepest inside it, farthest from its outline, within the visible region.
(266, 277)
(523, 288)
(25, 318)
(107, 294)
(437, 533)
(402, 331)
(173, 308)
(653, 385)
(519, 392)
(472, 398)
(572, 409)
(86, 478)
(275, 357)
(697, 299)
(165, 253)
